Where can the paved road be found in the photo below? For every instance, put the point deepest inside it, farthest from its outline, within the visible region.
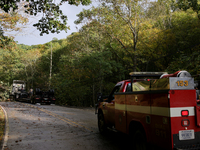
(51, 127)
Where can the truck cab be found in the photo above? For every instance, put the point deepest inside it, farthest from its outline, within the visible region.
(17, 89)
(107, 106)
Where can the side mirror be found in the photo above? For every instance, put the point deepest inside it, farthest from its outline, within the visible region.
(99, 97)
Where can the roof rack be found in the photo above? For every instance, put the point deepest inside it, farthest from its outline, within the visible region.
(146, 74)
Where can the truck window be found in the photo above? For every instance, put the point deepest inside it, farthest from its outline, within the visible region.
(115, 90)
(141, 86)
(128, 88)
(136, 88)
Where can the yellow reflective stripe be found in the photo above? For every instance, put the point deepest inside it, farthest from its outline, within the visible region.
(120, 106)
(159, 111)
(139, 109)
(133, 108)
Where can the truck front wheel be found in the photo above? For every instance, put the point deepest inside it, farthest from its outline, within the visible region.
(101, 123)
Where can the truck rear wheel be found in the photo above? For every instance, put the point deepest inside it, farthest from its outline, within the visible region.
(139, 140)
(101, 123)
(32, 101)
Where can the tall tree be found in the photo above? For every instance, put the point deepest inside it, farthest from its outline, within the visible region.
(53, 19)
(29, 60)
(121, 20)
(8, 59)
(9, 22)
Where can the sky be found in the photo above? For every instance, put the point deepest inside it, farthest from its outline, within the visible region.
(30, 36)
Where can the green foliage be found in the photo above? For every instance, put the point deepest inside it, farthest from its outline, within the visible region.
(4, 91)
(53, 19)
(77, 2)
(187, 4)
(187, 33)
(7, 4)
(84, 77)
(103, 52)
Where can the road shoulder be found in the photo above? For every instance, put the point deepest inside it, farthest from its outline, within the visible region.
(3, 128)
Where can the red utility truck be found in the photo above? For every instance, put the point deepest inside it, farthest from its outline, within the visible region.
(161, 112)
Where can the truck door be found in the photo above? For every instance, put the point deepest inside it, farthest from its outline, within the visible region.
(120, 109)
(110, 106)
(120, 112)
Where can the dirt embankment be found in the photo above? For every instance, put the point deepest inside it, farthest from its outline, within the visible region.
(2, 126)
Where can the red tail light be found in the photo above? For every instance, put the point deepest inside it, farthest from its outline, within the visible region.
(184, 113)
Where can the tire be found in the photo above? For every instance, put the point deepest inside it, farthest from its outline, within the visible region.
(32, 101)
(14, 97)
(101, 123)
(139, 140)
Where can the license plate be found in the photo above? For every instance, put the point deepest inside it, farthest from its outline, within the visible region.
(186, 134)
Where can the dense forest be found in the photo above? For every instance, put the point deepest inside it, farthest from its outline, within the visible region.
(117, 37)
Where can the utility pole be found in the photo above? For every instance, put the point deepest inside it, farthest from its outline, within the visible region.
(50, 68)
(50, 74)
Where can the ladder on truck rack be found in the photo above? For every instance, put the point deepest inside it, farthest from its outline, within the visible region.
(147, 74)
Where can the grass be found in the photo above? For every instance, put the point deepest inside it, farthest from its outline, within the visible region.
(2, 124)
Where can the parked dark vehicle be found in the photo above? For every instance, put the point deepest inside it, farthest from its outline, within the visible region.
(43, 97)
(37, 96)
(52, 97)
(23, 96)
